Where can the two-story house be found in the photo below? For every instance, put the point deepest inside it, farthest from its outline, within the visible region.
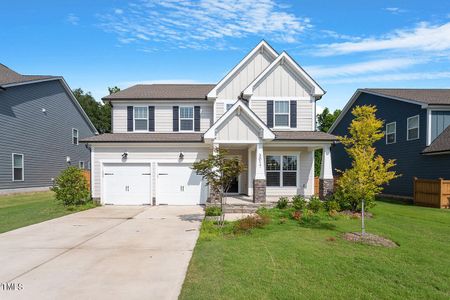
(417, 133)
(41, 126)
(263, 111)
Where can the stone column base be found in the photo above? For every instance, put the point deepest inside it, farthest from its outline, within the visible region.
(326, 187)
(214, 197)
(259, 190)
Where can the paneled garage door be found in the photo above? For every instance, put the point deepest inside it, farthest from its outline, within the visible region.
(178, 184)
(126, 184)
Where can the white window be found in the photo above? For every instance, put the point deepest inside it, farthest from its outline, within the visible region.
(281, 170)
(412, 128)
(74, 136)
(391, 133)
(140, 118)
(17, 167)
(81, 164)
(281, 114)
(186, 118)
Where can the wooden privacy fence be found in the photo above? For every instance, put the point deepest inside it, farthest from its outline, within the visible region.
(432, 192)
(87, 175)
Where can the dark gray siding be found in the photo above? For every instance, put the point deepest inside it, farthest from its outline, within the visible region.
(409, 161)
(439, 121)
(45, 139)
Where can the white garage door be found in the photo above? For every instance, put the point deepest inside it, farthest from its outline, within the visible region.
(178, 184)
(126, 184)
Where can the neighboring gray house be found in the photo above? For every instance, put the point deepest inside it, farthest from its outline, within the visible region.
(417, 128)
(41, 124)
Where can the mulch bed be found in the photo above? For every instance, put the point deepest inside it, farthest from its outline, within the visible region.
(356, 215)
(369, 239)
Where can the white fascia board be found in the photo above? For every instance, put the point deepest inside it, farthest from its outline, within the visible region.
(267, 133)
(285, 58)
(358, 93)
(262, 46)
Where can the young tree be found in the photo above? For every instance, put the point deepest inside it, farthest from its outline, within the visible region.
(360, 184)
(219, 172)
(324, 122)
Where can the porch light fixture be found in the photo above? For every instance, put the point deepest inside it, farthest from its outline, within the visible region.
(125, 155)
(181, 156)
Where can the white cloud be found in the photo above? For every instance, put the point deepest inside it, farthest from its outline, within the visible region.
(424, 37)
(395, 10)
(203, 24)
(72, 19)
(372, 66)
(405, 77)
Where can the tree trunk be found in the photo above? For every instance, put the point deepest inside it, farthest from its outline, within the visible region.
(363, 227)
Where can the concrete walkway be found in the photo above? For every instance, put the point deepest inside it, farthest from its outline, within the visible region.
(110, 252)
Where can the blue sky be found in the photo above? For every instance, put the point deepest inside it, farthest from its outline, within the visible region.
(344, 45)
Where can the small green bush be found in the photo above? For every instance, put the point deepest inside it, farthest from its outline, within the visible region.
(71, 187)
(314, 204)
(249, 223)
(282, 203)
(332, 205)
(298, 202)
(213, 211)
(309, 218)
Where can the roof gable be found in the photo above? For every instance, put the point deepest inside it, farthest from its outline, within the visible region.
(262, 48)
(286, 61)
(251, 121)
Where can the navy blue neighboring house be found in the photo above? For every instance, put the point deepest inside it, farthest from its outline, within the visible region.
(41, 124)
(417, 128)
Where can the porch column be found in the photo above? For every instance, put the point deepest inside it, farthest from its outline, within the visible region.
(214, 195)
(259, 183)
(326, 181)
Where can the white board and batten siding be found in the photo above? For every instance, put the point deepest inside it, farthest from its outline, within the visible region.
(237, 128)
(163, 114)
(162, 156)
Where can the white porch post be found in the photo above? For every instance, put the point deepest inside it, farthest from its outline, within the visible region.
(259, 183)
(249, 172)
(326, 181)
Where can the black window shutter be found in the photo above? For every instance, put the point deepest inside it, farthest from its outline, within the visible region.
(129, 118)
(270, 113)
(293, 114)
(151, 118)
(196, 118)
(175, 118)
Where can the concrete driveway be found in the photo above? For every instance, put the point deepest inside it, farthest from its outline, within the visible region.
(110, 252)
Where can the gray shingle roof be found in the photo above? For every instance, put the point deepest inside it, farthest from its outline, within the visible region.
(425, 96)
(304, 136)
(8, 76)
(145, 138)
(163, 92)
(440, 144)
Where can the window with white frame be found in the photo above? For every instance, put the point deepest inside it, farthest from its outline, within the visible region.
(17, 167)
(74, 136)
(281, 114)
(140, 118)
(391, 133)
(81, 164)
(281, 170)
(412, 126)
(186, 118)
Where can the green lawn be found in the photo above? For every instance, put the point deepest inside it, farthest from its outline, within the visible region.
(288, 261)
(25, 209)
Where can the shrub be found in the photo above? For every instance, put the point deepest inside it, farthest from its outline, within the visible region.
(315, 204)
(282, 203)
(332, 205)
(249, 223)
(296, 215)
(213, 211)
(298, 202)
(71, 187)
(309, 218)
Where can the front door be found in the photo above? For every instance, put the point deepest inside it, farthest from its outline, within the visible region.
(234, 187)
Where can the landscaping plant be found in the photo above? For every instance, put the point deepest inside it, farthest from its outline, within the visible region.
(314, 204)
(358, 185)
(213, 211)
(298, 202)
(71, 187)
(282, 203)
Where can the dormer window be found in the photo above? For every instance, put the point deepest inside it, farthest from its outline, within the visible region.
(140, 118)
(281, 113)
(186, 118)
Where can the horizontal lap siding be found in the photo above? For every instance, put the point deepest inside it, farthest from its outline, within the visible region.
(163, 115)
(44, 139)
(409, 161)
(144, 154)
